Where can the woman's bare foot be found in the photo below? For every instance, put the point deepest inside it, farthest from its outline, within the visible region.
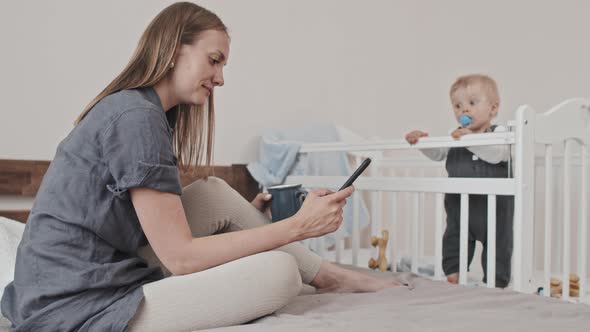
(334, 279)
(453, 278)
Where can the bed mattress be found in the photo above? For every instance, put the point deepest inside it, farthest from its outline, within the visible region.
(426, 306)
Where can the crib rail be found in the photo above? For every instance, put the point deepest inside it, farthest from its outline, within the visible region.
(424, 143)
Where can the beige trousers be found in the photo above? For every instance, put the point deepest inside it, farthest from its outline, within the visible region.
(232, 293)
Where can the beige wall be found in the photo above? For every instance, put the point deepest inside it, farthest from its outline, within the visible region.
(376, 67)
(379, 68)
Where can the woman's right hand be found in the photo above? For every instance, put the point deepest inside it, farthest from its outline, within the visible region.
(413, 136)
(321, 213)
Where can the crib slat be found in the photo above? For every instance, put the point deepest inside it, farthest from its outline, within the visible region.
(566, 219)
(558, 245)
(407, 227)
(306, 243)
(421, 225)
(356, 208)
(548, 218)
(491, 259)
(317, 246)
(321, 248)
(438, 224)
(393, 231)
(415, 230)
(407, 198)
(375, 229)
(379, 215)
(339, 243)
(380, 220)
(583, 233)
(463, 238)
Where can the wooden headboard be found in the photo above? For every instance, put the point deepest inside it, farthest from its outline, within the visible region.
(23, 178)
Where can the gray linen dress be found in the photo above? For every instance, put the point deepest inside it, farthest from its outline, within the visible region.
(77, 267)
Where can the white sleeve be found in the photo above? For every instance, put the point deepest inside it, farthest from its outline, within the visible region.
(492, 154)
(436, 154)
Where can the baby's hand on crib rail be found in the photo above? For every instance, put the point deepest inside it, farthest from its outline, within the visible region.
(413, 136)
(321, 213)
(458, 133)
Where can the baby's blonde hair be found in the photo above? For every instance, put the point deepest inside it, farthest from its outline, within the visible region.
(488, 84)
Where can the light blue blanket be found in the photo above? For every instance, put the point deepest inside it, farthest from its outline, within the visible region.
(278, 158)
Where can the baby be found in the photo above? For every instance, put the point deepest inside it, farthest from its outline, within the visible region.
(475, 101)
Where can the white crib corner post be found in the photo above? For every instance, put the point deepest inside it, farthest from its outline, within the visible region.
(524, 176)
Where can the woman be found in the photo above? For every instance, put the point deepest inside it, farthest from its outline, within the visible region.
(113, 187)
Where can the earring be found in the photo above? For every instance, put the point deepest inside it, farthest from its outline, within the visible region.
(171, 65)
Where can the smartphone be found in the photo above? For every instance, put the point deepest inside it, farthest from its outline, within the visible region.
(356, 173)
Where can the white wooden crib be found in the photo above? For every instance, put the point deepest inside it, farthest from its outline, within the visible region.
(545, 244)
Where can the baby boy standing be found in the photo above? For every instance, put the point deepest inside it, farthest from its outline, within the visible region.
(475, 102)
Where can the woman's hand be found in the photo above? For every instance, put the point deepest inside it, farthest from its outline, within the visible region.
(321, 213)
(261, 202)
(413, 136)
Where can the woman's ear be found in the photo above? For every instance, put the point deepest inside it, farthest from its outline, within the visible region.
(174, 57)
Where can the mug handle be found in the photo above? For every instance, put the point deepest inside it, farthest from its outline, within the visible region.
(301, 193)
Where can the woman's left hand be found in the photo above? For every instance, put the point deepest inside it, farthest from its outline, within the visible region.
(262, 202)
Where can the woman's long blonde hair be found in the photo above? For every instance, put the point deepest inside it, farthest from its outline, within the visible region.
(178, 24)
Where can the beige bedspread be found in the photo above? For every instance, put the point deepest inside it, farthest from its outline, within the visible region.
(429, 306)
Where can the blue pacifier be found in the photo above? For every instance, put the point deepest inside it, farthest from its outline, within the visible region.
(465, 120)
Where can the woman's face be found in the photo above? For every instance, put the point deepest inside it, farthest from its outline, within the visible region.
(198, 67)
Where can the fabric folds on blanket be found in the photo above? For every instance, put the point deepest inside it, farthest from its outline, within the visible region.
(276, 159)
(279, 158)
